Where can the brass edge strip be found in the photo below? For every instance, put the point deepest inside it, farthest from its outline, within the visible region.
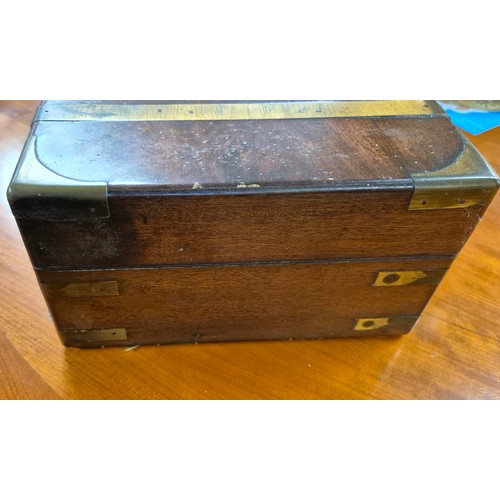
(405, 278)
(467, 182)
(94, 335)
(81, 289)
(33, 184)
(233, 111)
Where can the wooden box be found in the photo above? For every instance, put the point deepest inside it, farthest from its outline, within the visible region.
(163, 222)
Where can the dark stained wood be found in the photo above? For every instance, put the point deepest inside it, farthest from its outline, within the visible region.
(268, 232)
(274, 154)
(452, 352)
(354, 176)
(238, 302)
(158, 230)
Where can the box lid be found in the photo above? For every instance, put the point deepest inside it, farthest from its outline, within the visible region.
(183, 147)
(84, 156)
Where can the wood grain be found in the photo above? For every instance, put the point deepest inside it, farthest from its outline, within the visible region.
(452, 353)
(250, 302)
(339, 212)
(271, 153)
(165, 230)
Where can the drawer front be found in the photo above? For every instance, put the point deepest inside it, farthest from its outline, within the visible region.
(240, 302)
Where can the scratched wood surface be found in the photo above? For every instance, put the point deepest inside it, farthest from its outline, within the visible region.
(452, 353)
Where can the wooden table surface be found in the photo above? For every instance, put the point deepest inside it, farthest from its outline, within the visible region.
(452, 353)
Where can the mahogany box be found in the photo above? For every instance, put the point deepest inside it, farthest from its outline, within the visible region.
(151, 222)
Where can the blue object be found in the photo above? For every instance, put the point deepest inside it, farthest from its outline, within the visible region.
(473, 121)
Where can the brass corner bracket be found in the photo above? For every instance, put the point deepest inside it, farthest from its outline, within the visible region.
(403, 323)
(37, 192)
(468, 182)
(406, 278)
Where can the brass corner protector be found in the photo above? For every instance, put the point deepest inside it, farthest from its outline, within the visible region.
(37, 192)
(468, 182)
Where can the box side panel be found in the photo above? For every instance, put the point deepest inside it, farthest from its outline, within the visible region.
(249, 302)
(162, 230)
